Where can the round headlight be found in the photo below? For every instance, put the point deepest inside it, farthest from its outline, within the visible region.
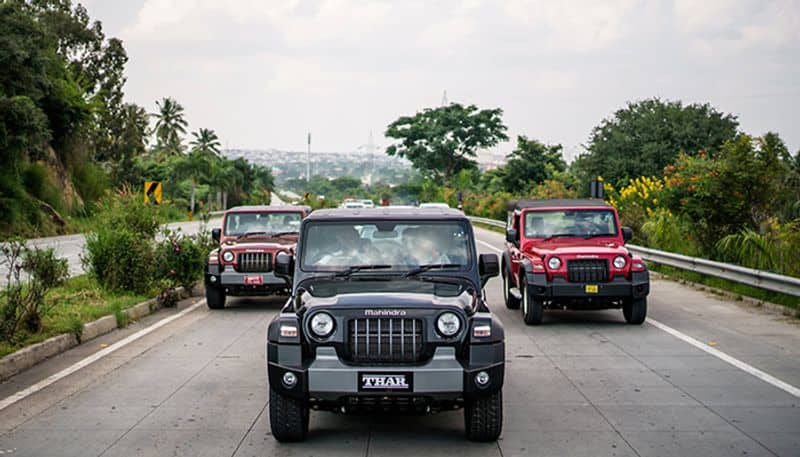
(322, 324)
(227, 256)
(554, 263)
(619, 262)
(448, 324)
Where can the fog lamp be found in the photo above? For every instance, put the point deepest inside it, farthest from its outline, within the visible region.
(289, 379)
(482, 379)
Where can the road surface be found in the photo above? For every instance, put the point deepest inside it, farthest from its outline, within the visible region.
(582, 384)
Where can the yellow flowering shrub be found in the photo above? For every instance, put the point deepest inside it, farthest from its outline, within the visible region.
(637, 201)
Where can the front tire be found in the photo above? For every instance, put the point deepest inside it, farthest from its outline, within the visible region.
(288, 418)
(532, 309)
(215, 297)
(483, 417)
(635, 310)
(512, 302)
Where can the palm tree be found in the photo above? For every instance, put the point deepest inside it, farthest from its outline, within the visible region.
(205, 140)
(197, 166)
(170, 125)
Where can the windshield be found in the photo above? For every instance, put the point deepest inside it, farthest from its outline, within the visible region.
(262, 222)
(545, 224)
(395, 246)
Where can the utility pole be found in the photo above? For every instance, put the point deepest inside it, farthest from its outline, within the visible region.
(371, 149)
(308, 159)
(445, 102)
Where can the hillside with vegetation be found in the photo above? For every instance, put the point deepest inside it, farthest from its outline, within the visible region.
(68, 137)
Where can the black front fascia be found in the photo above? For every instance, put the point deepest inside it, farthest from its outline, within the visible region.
(636, 287)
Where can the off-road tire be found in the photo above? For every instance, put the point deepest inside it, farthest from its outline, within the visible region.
(288, 418)
(215, 297)
(635, 310)
(532, 309)
(483, 417)
(512, 302)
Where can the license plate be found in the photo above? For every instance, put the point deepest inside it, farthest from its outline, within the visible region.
(591, 288)
(253, 280)
(385, 382)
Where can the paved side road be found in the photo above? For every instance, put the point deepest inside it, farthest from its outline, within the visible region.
(582, 384)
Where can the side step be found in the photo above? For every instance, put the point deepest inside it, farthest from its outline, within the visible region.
(516, 293)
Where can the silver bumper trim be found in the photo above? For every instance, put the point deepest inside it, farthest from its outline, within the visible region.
(442, 374)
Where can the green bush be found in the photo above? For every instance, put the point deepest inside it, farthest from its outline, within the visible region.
(22, 302)
(120, 259)
(127, 211)
(91, 182)
(181, 258)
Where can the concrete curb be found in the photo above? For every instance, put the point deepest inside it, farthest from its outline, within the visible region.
(29, 356)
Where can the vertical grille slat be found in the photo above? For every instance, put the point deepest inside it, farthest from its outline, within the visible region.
(386, 340)
(587, 270)
(254, 262)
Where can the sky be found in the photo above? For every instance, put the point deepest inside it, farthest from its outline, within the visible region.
(263, 73)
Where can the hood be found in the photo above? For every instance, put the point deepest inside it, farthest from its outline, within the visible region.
(571, 247)
(389, 301)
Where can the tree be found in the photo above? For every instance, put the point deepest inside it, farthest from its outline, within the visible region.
(197, 166)
(532, 162)
(205, 140)
(170, 125)
(644, 137)
(442, 141)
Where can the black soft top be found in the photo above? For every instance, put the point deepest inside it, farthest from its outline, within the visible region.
(557, 203)
(387, 213)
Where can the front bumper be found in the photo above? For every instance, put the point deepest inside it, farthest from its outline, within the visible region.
(559, 288)
(442, 378)
(229, 278)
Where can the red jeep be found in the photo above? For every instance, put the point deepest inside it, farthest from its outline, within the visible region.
(570, 254)
(250, 238)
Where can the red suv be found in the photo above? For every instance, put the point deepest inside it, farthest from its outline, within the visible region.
(250, 238)
(570, 254)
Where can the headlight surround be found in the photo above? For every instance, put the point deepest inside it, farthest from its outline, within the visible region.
(227, 256)
(619, 262)
(322, 325)
(448, 324)
(554, 263)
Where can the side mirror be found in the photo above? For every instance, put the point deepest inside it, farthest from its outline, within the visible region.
(488, 267)
(627, 234)
(284, 265)
(512, 236)
(215, 234)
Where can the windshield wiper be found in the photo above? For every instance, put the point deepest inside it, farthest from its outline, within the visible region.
(430, 266)
(275, 235)
(559, 235)
(245, 235)
(597, 235)
(356, 268)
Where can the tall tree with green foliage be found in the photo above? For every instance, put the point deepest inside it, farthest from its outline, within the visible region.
(205, 140)
(531, 162)
(442, 141)
(170, 126)
(645, 136)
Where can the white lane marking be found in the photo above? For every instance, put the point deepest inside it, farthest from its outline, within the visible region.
(488, 245)
(10, 400)
(747, 368)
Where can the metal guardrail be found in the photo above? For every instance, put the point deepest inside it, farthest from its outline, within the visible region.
(742, 275)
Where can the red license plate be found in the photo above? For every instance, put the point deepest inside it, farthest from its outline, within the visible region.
(253, 280)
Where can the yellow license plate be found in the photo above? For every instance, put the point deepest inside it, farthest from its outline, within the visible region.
(591, 289)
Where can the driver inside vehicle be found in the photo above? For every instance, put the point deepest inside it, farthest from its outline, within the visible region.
(343, 247)
(584, 224)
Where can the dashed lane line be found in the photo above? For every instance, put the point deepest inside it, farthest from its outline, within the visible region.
(10, 400)
(747, 368)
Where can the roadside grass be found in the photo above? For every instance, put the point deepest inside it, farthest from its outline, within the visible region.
(78, 301)
(792, 303)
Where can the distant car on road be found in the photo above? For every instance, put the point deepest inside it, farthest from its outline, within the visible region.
(387, 313)
(570, 254)
(249, 239)
(434, 205)
(368, 203)
(352, 205)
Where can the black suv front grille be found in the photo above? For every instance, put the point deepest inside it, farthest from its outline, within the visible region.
(587, 270)
(386, 340)
(254, 262)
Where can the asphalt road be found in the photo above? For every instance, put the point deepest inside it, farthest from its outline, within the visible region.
(582, 384)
